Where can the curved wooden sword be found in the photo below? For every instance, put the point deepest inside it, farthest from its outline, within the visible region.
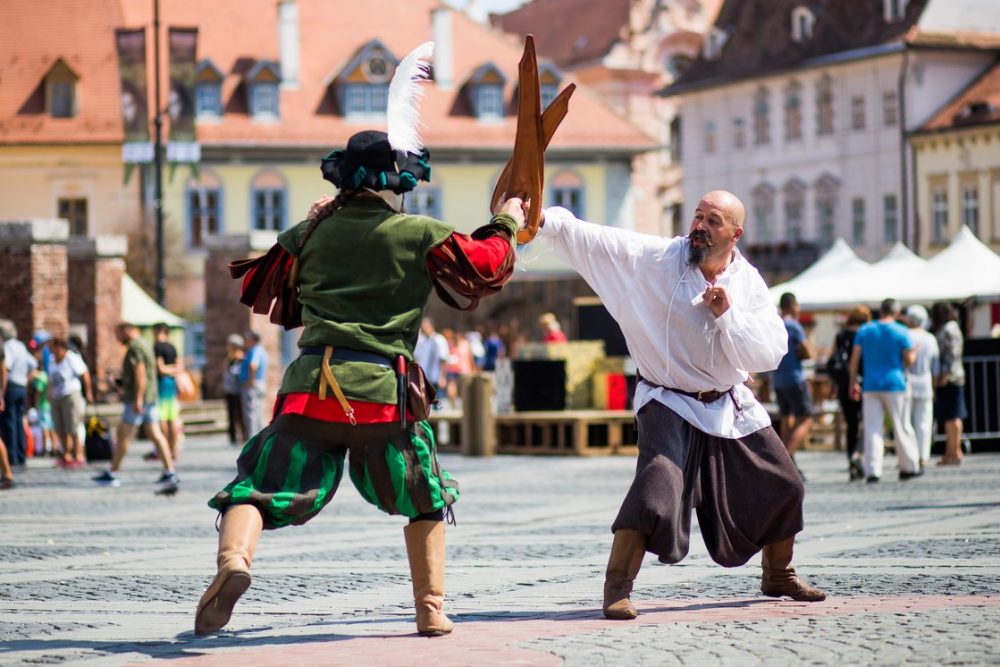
(523, 175)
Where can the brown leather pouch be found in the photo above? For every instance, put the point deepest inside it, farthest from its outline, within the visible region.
(420, 394)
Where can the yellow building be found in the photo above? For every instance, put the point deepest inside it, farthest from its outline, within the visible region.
(60, 124)
(271, 103)
(957, 168)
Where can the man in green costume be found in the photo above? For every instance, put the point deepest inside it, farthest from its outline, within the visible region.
(357, 274)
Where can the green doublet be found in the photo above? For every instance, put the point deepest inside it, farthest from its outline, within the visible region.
(370, 300)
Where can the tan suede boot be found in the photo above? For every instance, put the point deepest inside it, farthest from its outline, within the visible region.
(425, 550)
(779, 578)
(238, 535)
(627, 552)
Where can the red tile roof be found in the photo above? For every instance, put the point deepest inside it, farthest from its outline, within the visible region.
(979, 104)
(235, 34)
(569, 32)
(33, 36)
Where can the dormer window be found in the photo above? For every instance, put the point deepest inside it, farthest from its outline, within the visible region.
(262, 90)
(548, 83)
(208, 90)
(60, 91)
(486, 90)
(894, 10)
(714, 41)
(802, 24)
(362, 86)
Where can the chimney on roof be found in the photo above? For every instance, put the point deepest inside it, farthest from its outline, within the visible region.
(288, 42)
(444, 65)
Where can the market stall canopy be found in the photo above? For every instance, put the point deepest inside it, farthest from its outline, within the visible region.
(967, 268)
(816, 282)
(141, 309)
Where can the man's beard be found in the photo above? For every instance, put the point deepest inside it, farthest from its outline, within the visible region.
(697, 254)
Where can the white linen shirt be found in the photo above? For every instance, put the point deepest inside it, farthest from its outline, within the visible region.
(653, 293)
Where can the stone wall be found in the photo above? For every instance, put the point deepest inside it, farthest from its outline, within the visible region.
(96, 268)
(33, 257)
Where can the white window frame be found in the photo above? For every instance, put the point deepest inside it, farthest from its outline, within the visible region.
(894, 10)
(939, 215)
(803, 21)
(489, 101)
(890, 218)
(266, 100)
(859, 222)
(890, 108)
(858, 112)
(970, 207)
(715, 40)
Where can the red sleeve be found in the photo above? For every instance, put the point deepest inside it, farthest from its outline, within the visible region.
(487, 256)
(470, 267)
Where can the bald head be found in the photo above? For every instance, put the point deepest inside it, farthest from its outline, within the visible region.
(727, 203)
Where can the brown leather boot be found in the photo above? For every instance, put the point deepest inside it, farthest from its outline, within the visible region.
(779, 578)
(425, 550)
(627, 552)
(238, 535)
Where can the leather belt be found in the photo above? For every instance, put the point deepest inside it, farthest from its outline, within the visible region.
(710, 396)
(346, 354)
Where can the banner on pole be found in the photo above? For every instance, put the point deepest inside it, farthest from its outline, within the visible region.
(183, 47)
(131, 47)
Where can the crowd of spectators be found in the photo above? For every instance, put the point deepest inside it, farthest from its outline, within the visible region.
(903, 368)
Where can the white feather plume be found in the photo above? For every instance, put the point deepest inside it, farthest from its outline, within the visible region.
(405, 91)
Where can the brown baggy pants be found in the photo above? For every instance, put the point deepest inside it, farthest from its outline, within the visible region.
(746, 491)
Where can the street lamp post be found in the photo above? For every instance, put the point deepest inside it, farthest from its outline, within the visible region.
(158, 157)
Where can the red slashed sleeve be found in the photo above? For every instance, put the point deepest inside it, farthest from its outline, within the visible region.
(473, 266)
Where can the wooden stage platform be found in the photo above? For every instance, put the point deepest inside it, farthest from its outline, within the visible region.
(563, 432)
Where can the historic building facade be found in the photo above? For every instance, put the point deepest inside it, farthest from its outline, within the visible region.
(803, 112)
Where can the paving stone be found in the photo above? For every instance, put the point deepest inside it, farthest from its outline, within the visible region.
(112, 576)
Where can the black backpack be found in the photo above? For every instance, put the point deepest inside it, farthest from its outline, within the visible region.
(98, 444)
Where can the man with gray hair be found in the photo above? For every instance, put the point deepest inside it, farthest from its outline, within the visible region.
(920, 377)
(20, 364)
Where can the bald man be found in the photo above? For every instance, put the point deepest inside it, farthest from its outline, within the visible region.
(698, 319)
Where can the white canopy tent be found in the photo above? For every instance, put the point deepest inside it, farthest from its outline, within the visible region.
(967, 268)
(142, 310)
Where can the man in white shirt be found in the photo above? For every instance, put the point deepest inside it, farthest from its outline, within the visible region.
(697, 318)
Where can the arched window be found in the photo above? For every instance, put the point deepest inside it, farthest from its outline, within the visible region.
(793, 111)
(827, 196)
(204, 208)
(268, 201)
(761, 117)
(795, 206)
(763, 212)
(802, 24)
(566, 189)
(824, 106)
(711, 136)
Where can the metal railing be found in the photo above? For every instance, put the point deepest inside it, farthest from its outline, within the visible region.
(982, 397)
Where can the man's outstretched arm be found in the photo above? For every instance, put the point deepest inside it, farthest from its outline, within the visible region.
(606, 257)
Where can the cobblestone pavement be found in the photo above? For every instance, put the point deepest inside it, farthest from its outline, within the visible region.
(112, 576)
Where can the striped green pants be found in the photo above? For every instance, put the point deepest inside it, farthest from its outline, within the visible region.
(292, 468)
